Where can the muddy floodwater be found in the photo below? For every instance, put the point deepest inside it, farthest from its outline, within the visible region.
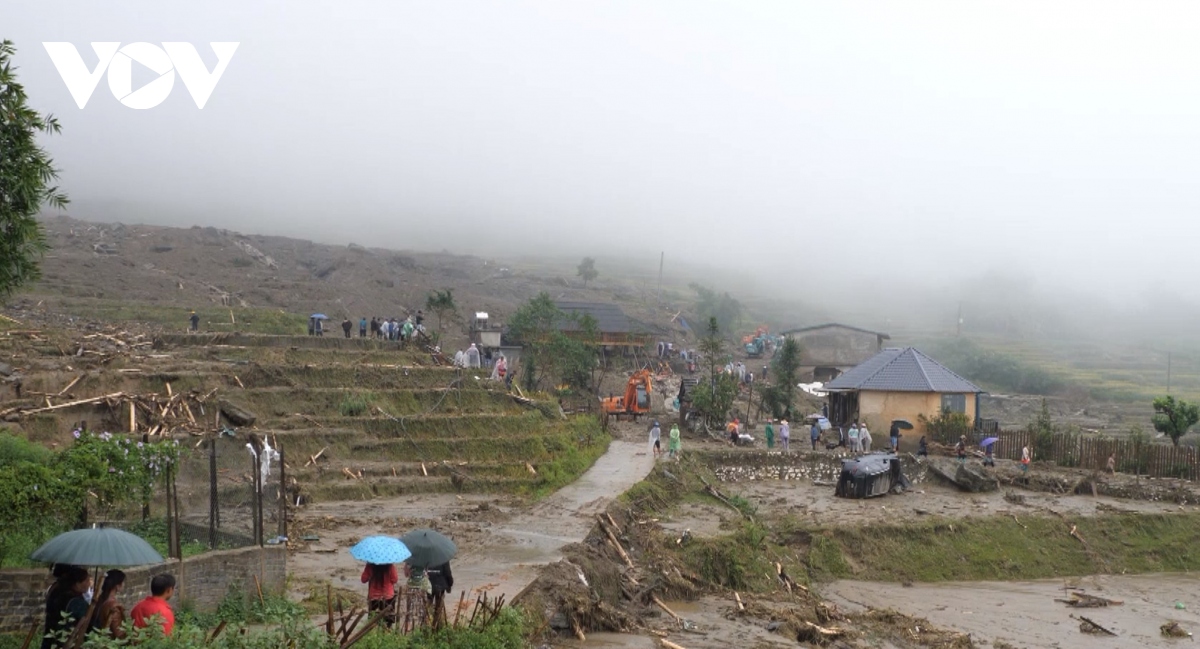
(1024, 613)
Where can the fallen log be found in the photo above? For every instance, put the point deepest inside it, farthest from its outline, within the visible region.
(77, 380)
(656, 600)
(668, 644)
(79, 402)
(1088, 625)
(612, 538)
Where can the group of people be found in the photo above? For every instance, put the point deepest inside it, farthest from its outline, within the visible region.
(390, 328)
(69, 601)
(381, 581)
(674, 444)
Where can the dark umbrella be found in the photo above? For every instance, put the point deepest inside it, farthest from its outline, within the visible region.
(429, 548)
(902, 424)
(97, 546)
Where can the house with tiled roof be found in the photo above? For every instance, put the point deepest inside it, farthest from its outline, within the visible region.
(899, 384)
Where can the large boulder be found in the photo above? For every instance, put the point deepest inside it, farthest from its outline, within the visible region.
(967, 476)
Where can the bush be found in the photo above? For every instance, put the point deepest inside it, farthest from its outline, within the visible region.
(354, 405)
(947, 427)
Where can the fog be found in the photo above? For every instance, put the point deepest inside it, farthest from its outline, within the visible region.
(844, 153)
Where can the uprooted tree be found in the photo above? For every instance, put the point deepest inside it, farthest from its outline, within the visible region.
(1174, 418)
(26, 177)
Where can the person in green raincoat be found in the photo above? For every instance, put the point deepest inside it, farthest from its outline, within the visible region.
(675, 446)
(770, 433)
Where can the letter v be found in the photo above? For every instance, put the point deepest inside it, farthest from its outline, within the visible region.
(196, 78)
(80, 82)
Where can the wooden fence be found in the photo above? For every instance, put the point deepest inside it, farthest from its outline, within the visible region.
(1092, 452)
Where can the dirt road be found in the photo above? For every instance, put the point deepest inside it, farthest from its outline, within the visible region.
(501, 543)
(1025, 613)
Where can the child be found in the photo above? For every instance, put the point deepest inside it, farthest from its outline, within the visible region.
(655, 445)
(922, 447)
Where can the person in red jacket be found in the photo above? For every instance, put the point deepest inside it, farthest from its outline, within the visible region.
(155, 607)
(381, 583)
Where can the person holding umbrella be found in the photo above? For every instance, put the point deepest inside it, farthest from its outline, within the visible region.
(96, 546)
(381, 554)
(428, 568)
(66, 605)
(988, 444)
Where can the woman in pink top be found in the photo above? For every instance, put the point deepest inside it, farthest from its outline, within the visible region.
(381, 583)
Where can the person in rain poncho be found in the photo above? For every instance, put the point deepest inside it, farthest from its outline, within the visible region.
(499, 369)
(460, 359)
(655, 439)
(407, 329)
(770, 433)
(864, 437)
(785, 433)
(675, 445)
(472, 356)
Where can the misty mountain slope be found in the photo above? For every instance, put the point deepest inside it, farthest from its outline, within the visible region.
(102, 264)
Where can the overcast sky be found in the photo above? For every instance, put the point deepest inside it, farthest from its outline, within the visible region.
(886, 144)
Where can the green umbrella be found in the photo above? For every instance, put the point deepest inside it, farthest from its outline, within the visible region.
(429, 548)
(97, 546)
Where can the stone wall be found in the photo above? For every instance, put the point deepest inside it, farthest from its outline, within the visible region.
(202, 582)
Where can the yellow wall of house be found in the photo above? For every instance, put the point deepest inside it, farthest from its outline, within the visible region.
(878, 409)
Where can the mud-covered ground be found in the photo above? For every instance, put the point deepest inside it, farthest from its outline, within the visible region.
(1024, 614)
(502, 541)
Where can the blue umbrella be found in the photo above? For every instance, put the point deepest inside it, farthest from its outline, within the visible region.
(380, 550)
(319, 316)
(989, 441)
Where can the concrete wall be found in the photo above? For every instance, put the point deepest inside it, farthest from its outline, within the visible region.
(202, 582)
(835, 347)
(878, 409)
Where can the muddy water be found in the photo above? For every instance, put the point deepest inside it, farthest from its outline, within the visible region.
(501, 554)
(1025, 613)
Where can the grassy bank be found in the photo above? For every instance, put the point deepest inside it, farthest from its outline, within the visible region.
(1002, 549)
(260, 321)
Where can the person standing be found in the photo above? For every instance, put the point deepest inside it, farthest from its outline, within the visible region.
(855, 442)
(864, 436)
(815, 434)
(156, 607)
(675, 445)
(441, 581)
(960, 449)
(785, 433)
(110, 615)
(195, 321)
(894, 437)
(1111, 466)
(1026, 459)
(362, 327)
(655, 440)
(347, 326)
(769, 431)
(472, 356)
(381, 580)
(922, 447)
(66, 596)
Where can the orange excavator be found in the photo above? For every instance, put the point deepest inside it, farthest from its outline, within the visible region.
(636, 400)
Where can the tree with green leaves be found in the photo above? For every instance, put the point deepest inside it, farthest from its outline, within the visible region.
(1174, 418)
(780, 397)
(27, 175)
(441, 304)
(1043, 430)
(587, 270)
(722, 306)
(714, 399)
(549, 352)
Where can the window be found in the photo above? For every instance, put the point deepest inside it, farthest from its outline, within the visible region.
(954, 402)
